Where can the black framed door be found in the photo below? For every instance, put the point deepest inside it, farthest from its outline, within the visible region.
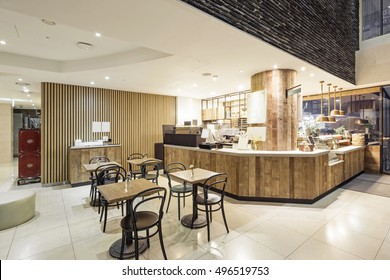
(385, 139)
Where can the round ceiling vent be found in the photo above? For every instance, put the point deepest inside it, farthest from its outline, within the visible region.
(84, 46)
(48, 22)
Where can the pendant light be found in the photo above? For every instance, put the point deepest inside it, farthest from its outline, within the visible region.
(341, 112)
(331, 119)
(335, 112)
(322, 118)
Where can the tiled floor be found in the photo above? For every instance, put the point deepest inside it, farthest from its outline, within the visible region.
(346, 224)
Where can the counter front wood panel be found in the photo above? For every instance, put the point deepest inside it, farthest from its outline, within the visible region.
(372, 159)
(295, 177)
(78, 157)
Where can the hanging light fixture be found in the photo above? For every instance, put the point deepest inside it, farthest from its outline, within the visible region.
(322, 118)
(331, 119)
(341, 112)
(335, 112)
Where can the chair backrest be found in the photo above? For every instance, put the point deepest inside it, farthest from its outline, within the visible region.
(148, 166)
(173, 167)
(99, 158)
(134, 156)
(110, 173)
(217, 183)
(152, 200)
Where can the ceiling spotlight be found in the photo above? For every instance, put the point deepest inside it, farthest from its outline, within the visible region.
(48, 22)
(275, 66)
(194, 85)
(303, 68)
(106, 77)
(241, 71)
(2, 42)
(84, 46)
(25, 90)
(28, 95)
(92, 82)
(215, 77)
(20, 79)
(97, 34)
(311, 75)
(240, 87)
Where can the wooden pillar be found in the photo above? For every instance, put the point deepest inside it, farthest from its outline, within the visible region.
(281, 118)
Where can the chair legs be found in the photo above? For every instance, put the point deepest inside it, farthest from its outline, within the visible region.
(160, 236)
(224, 217)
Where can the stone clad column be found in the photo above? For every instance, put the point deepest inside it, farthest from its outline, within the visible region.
(281, 117)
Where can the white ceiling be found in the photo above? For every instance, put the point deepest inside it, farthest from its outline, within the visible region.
(151, 46)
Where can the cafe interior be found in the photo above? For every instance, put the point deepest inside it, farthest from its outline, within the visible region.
(194, 130)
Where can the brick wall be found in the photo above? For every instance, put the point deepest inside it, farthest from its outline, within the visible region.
(321, 32)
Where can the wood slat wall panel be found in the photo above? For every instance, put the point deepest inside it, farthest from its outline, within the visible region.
(68, 112)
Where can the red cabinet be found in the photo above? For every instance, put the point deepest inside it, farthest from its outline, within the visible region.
(29, 153)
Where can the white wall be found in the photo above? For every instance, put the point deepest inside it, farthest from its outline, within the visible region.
(373, 61)
(188, 109)
(6, 132)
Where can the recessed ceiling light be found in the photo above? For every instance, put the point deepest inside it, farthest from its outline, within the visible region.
(303, 68)
(179, 89)
(84, 46)
(311, 74)
(28, 95)
(2, 42)
(25, 90)
(20, 79)
(240, 87)
(194, 85)
(275, 66)
(92, 82)
(241, 71)
(106, 77)
(213, 93)
(97, 34)
(49, 22)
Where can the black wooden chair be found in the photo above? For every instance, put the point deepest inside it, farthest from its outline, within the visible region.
(146, 213)
(92, 178)
(134, 170)
(108, 174)
(177, 190)
(206, 200)
(150, 170)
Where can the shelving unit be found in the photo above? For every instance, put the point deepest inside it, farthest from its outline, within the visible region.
(230, 108)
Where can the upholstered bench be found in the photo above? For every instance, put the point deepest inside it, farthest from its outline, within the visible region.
(16, 207)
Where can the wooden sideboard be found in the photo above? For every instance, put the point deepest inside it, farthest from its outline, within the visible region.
(289, 176)
(77, 156)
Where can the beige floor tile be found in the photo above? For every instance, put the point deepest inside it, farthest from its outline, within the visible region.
(95, 248)
(361, 224)
(39, 242)
(278, 238)
(300, 223)
(6, 237)
(61, 253)
(348, 240)
(317, 250)
(384, 251)
(237, 249)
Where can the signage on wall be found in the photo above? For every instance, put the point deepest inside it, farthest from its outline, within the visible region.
(294, 90)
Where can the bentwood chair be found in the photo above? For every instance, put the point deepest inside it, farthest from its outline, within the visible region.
(109, 174)
(134, 170)
(146, 213)
(177, 190)
(92, 177)
(150, 170)
(206, 200)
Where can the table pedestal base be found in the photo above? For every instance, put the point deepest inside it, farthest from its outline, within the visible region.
(198, 222)
(128, 251)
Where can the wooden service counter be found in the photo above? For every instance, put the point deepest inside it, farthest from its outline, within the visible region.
(79, 155)
(285, 176)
